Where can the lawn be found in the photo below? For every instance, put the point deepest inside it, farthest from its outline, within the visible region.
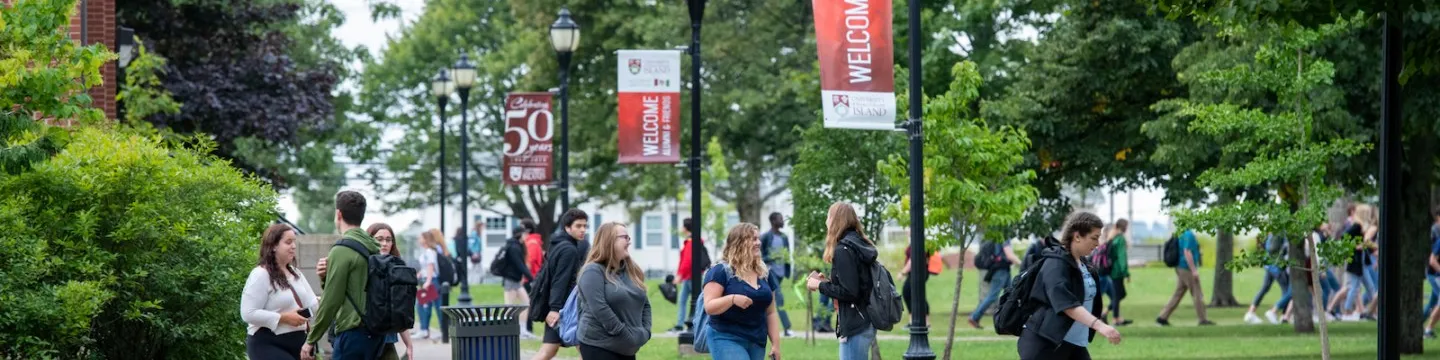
(1148, 291)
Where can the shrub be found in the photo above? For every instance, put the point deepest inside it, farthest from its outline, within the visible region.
(120, 247)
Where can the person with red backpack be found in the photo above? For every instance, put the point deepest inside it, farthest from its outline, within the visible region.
(1110, 263)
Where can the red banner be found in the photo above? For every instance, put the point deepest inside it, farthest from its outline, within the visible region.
(529, 148)
(649, 102)
(857, 63)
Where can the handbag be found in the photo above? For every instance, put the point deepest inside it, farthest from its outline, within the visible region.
(427, 295)
(301, 304)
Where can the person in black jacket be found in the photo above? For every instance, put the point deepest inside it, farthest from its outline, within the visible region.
(513, 272)
(850, 256)
(562, 267)
(1064, 323)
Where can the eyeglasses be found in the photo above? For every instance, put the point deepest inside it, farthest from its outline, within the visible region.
(388, 239)
(624, 237)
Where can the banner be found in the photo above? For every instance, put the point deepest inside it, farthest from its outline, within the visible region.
(857, 63)
(528, 133)
(649, 91)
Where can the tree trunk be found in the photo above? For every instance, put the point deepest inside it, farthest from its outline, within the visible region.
(1223, 294)
(1300, 316)
(955, 299)
(1415, 221)
(747, 205)
(1315, 296)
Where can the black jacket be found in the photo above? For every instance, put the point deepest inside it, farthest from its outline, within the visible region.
(851, 282)
(563, 263)
(1035, 250)
(1060, 286)
(514, 268)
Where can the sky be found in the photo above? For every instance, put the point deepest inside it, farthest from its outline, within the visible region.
(361, 30)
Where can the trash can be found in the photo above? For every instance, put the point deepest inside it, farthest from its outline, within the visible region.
(485, 332)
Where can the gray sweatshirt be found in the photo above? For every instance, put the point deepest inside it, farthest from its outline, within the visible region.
(614, 316)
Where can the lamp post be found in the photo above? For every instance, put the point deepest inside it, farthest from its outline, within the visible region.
(697, 16)
(464, 72)
(441, 87)
(919, 331)
(565, 37)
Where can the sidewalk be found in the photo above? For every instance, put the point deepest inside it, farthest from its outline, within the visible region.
(429, 350)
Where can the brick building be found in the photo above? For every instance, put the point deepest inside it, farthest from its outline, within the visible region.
(94, 23)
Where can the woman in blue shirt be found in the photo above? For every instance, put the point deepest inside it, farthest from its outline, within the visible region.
(740, 300)
(1064, 323)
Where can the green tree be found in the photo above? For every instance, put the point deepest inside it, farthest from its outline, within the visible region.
(1285, 155)
(44, 76)
(839, 165)
(973, 181)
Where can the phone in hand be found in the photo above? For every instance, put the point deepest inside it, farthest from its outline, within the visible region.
(305, 313)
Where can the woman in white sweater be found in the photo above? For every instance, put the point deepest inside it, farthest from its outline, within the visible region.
(277, 300)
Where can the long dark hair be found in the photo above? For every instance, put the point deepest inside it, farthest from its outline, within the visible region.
(394, 242)
(272, 237)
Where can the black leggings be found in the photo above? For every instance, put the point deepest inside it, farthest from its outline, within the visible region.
(1034, 347)
(266, 345)
(594, 353)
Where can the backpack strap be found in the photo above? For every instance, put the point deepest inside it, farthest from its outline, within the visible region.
(364, 256)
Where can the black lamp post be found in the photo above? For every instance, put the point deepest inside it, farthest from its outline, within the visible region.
(464, 72)
(919, 330)
(697, 16)
(565, 37)
(441, 87)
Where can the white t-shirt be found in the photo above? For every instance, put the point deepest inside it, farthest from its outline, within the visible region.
(261, 302)
(429, 263)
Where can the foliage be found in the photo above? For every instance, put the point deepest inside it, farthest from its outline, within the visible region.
(839, 165)
(44, 76)
(714, 222)
(121, 248)
(143, 93)
(972, 180)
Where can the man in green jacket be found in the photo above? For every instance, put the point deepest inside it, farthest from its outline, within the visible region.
(344, 284)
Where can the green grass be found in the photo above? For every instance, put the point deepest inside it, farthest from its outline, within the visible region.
(1148, 291)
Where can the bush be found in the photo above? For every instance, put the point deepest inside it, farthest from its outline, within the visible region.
(122, 248)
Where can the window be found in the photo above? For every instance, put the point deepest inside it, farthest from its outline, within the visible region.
(675, 231)
(637, 233)
(495, 231)
(654, 230)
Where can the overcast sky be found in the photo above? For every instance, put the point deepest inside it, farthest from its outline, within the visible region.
(360, 30)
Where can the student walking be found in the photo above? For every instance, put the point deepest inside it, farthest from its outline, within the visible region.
(509, 265)
(1277, 248)
(850, 255)
(1117, 248)
(615, 322)
(1432, 267)
(1363, 227)
(998, 275)
(386, 237)
(557, 279)
(1064, 323)
(431, 253)
(344, 283)
(683, 275)
(775, 249)
(277, 301)
(934, 266)
(740, 300)
(1187, 279)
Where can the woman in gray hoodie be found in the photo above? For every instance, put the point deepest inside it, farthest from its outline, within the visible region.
(615, 312)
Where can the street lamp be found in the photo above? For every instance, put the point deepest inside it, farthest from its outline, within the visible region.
(464, 72)
(441, 87)
(565, 37)
(697, 15)
(919, 330)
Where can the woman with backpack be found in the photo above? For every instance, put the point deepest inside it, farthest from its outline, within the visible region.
(509, 265)
(277, 301)
(850, 255)
(1063, 322)
(740, 300)
(386, 237)
(615, 321)
(1118, 269)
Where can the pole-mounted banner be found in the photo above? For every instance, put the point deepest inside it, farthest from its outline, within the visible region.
(649, 102)
(529, 146)
(857, 63)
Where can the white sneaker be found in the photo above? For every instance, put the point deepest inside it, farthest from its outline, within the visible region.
(1250, 318)
(1270, 315)
(420, 335)
(526, 335)
(435, 337)
(1350, 317)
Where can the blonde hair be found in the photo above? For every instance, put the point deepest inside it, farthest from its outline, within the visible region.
(432, 238)
(1365, 213)
(841, 218)
(740, 251)
(604, 254)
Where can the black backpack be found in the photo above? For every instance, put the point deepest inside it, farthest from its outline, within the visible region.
(1171, 252)
(389, 291)
(990, 257)
(1015, 303)
(885, 305)
(446, 265)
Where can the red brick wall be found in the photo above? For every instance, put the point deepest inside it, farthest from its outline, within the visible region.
(100, 15)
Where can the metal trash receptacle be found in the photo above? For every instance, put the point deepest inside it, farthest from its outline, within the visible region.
(485, 332)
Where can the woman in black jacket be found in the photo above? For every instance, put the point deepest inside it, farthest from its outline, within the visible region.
(850, 255)
(509, 265)
(1064, 323)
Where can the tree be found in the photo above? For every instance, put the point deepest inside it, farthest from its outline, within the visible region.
(839, 165)
(45, 79)
(972, 177)
(1286, 156)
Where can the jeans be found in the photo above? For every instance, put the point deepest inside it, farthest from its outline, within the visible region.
(1272, 275)
(998, 282)
(857, 347)
(1328, 286)
(357, 344)
(682, 298)
(1352, 285)
(1285, 295)
(725, 346)
(1434, 293)
(1374, 276)
(1105, 286)
(780, 305)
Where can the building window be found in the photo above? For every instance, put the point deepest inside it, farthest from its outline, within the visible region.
(654, 230)
(637, 233)
(675, 231)
(495, 231)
